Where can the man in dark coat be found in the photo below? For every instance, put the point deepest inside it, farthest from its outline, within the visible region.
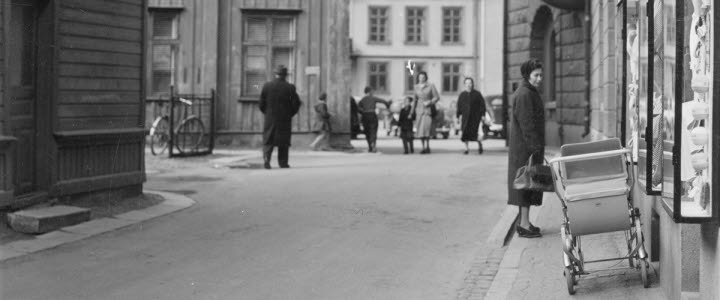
(471, 107)
(279, 102)
(369, 117)
(526, 136)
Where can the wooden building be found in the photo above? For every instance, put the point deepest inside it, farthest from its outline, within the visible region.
(232, 46)
(71, 99)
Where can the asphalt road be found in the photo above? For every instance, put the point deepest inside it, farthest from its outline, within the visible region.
(334, 226)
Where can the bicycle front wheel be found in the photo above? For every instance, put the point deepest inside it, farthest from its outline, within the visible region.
(159, 136)
(189, 135)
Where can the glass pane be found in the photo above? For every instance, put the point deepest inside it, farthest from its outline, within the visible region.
(282, 56)
(255, 58)
(256, 29)
(162, 57)
(632, 45)
(642, 48)
(161, 81)
(282, 30)
(696, 149)
(164, 25)
(22, 35)
(659, 94)
(668, 103)
(254, 82)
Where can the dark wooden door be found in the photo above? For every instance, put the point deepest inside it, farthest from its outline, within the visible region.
(22, 78)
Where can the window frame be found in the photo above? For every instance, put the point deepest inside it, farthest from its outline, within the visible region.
(422, 28)
(173, 42)
(387, 27)
(419, 67)
(386, 72)
(451, 73)
(460, 14)
(270, 44)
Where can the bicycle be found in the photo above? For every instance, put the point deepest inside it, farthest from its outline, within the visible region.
(187, 135)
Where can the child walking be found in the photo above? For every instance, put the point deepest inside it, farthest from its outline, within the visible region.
(405, 123)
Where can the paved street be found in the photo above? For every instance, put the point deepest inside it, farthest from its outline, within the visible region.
(334, 226)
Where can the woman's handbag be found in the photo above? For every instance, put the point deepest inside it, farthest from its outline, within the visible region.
(531, 177)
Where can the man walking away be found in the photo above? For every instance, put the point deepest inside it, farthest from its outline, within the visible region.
(369, 117)
(279, 102)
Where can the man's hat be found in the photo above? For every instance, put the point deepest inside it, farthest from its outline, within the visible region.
(281, 70)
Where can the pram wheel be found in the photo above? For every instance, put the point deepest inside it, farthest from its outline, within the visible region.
(570, 277)
(644, 272)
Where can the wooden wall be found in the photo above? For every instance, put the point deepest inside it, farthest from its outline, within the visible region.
(2, 68)
(99, 64)
(99, 111)
(245, 116)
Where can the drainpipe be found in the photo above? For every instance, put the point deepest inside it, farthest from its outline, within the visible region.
(588, 66)
(505, 74)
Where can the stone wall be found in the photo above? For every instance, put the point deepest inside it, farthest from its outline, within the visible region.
(603, 98)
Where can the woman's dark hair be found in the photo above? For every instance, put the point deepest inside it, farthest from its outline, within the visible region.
(421, 73)
(529, 66)
(368, 89)
(471, 80)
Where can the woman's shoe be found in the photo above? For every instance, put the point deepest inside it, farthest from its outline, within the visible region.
(527, 233)
(533, 228)
(466, 152)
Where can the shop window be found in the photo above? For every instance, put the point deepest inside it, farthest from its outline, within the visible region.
(415, 25)
(669, 110)
(378, 21)
(451, 78)
(268, 41)
(377, 76)
(164, 49)
(411, 80)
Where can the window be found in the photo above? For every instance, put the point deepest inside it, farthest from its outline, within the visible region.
(378, 24)
(451, 78)
(268, 41)
(412, 78)
(451, 24)
(377, 76)
(164, 49)
(415, 24)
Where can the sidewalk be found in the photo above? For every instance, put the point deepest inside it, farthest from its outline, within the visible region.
(533, 268)
(16, 245)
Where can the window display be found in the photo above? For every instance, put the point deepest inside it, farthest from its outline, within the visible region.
(695, 111)
(641, 92)
(632, 76)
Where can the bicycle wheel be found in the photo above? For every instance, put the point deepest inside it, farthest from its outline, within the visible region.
(189, 134)
(159, 135)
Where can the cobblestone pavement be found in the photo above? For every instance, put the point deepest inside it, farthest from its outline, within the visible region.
(539, 268)
(482, 271)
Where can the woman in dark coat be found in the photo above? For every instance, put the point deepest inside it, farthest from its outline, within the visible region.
(527, 136)
(471, 107)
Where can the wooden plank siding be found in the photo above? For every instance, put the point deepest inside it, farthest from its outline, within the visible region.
(247, 117)
(99, 96)
(3, 67)
(99, 64)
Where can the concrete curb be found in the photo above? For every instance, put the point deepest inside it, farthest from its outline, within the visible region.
(507, 271)
(173, 203)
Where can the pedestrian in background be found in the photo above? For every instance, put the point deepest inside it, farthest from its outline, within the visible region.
(405, 122)
(369, 117)
(471, 109)
(279, 102)
(321, 125)
(526, 137)
(426, 97)
(354, 119)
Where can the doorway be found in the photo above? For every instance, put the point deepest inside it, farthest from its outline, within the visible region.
(23, 98)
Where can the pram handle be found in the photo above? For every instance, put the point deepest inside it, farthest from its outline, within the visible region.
(589, 156)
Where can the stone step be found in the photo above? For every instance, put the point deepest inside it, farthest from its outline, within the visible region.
(45, 219)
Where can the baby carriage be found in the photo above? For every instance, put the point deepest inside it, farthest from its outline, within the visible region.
(594, 181)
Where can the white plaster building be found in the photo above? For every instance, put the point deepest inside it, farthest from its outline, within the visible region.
(448, 39)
